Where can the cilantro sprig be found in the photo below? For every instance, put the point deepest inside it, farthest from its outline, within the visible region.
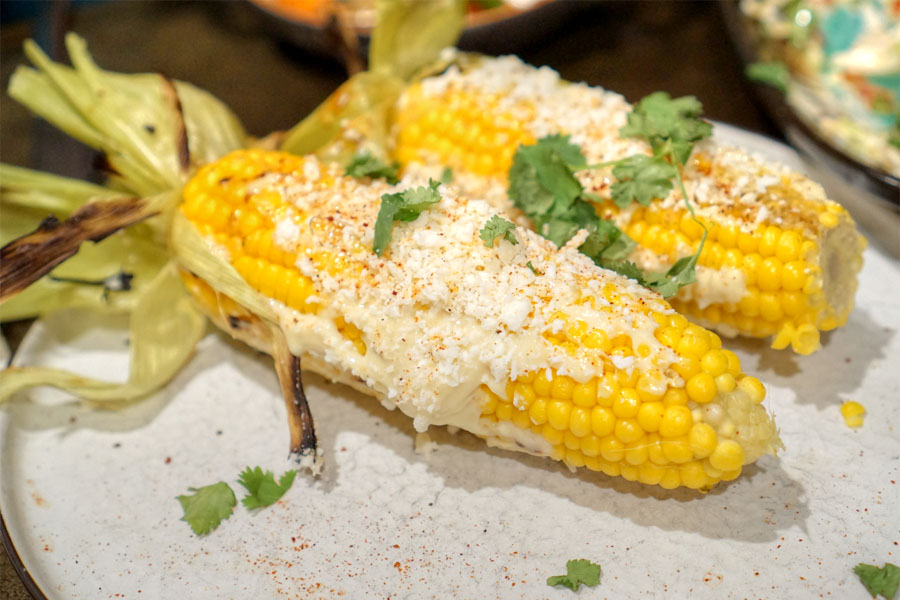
(208, 506)
(497, 227)
(262, 488)
(366, 165)
(879, 580)
(402, 206)
(542, 183)
(578, 571)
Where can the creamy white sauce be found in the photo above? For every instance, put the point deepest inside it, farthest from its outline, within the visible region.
(441, 314)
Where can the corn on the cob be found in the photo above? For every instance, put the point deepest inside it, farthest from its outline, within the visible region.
(781, 259)
(531, 348)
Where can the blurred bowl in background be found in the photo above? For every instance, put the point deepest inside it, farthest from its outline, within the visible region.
(862, 183)
(492, 27)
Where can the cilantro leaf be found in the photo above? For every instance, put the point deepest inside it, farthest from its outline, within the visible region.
(262, 488)
(542, 176)
(879, 580)
(774, 73)
(207, 507)
(497, 227)
(402, 206)
(641, 178)
(447, 175)
(533, 269)
(543, 185)
(667, 124)
(366, 165)
(578, 571)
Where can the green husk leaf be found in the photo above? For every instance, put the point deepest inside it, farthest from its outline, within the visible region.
(361, 103)
(132, 251)
(410, 34)
(195, 253)
(213, 130)
(164, 329)
(144, 123)
(54, 194)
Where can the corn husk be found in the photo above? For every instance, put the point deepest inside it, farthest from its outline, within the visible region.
(164, 328)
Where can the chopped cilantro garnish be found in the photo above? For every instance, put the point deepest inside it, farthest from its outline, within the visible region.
(207, 506)
(533, 269)
(641, 178)
(774, 73)
(879, 580)
(262, 488)
(543, 185)
(578, 571)
(402, 206)
(498, 227)
(366, 165)
(669, 125)
(447, 175)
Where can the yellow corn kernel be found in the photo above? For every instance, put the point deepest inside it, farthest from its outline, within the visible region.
(676, 421)
(693, 476)
(628, 430)
(768, 275)
(521, 420)
(636, 452)
(805, 339)
(537, 412)
(702, 439)
(651, 386)
(580, 421)
(590, 445)
(650, 473)
(727, 456)
(603, 421)
(542, 385)
(626, 403)
(558, 414)
(769, 240)
(701, 388)
(753, 388)
(551, 434)
(562, 387)
(612, 449)
(725, 383)
(575, 458)
(489, 404)
(655, 453)
(677, 450)
(853, 413)
(585, 394)
(650, 415)
(714, 362)
(607, 390)
(675, 397)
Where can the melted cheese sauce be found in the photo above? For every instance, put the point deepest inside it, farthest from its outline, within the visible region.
(440, 313)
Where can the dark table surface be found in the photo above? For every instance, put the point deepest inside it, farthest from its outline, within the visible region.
(231, 50)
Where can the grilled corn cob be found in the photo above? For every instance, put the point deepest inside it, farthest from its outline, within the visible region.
(781, 259)
(530, 348)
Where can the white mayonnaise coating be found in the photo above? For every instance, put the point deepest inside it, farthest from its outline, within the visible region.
(440, 313)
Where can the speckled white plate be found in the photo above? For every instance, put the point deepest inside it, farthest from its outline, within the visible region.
(89, 496)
